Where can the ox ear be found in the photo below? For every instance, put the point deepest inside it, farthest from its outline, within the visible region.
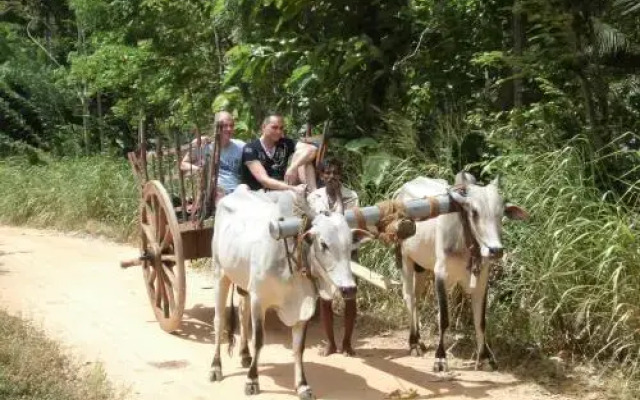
(360, 237)
(496, 181)
(513, 211)
(464, 178)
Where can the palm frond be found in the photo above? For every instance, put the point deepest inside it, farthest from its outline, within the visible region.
(626, 7)
(609, 40)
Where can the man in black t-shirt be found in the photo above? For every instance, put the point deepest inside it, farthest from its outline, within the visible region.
(265, 161)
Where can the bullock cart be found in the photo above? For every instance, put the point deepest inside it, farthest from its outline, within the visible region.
(175, 216)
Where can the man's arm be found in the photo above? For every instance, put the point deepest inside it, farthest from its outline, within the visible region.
(187, 163)
(267, 182)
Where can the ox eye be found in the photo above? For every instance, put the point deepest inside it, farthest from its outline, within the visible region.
(324, 246)
(474, 214)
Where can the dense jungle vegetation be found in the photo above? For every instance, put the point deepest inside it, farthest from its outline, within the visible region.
(545, 93)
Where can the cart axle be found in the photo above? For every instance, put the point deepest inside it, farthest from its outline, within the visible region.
(136, 261)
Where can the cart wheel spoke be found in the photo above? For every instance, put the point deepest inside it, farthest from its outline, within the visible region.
(152, 276)
(167, 241)
(168, 272)
(169, 295)
(157, 217)
(159, 288)
(150, 219)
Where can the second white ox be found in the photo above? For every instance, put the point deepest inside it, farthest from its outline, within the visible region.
(245, 254)
(446, 245)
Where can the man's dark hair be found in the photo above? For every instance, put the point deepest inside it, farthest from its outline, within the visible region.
(333, 162)
(268, 117)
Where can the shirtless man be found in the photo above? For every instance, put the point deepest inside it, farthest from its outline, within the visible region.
(337, 198)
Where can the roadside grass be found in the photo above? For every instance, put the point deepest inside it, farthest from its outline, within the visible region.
(95, 195)
(34, 367)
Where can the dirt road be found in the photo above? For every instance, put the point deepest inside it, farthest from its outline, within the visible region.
(73, 288)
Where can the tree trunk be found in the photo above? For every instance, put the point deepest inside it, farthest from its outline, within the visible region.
(518, 39)
(100, 131)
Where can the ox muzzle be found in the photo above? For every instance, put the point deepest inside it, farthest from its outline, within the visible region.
(348, 292)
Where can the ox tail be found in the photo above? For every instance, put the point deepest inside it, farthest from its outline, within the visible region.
(232, 325)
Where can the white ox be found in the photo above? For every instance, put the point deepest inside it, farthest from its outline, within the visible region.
(441, 245)
(245, 254)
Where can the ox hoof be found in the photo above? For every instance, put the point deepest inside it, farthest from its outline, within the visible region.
(305, 393)
(251, 388)
(440, 365)
(245, 361)
(488, 365)
(328, 350)
(215, 375)
(418, 349)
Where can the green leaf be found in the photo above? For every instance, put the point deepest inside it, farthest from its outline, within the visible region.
(376, 166)
(218, 7)
(357, 145)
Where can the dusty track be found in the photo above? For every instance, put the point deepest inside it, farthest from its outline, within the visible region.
(74, 289)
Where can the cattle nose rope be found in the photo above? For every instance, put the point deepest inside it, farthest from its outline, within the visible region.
(475, 258)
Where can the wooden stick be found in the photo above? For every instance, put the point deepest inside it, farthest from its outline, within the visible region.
(159, 153)
(183, 199)
(143, 146)
(372, 277)
(213, 170)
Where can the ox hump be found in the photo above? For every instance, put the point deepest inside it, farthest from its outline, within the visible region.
(421, 187)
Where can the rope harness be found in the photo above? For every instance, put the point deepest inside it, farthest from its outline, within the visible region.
(394, 224)
(300, 248)
(470, 242)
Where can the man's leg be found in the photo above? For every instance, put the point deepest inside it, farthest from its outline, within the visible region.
(326, 313)
(350, 311)
(306, 173)
(349, 322)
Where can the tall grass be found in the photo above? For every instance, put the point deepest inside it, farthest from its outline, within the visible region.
(573, 276)
(92, 194)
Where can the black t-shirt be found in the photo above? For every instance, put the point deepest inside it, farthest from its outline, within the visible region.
(276, 167)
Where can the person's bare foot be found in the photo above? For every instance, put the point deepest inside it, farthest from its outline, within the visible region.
(347, 350)
(329, 349)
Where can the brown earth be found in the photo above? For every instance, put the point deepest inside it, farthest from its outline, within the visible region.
(74, 289)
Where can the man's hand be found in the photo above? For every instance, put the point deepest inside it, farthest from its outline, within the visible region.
(300, 190)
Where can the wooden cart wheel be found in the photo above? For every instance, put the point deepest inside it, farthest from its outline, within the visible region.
(163, 264)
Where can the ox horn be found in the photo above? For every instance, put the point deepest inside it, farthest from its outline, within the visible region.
(458, 198)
